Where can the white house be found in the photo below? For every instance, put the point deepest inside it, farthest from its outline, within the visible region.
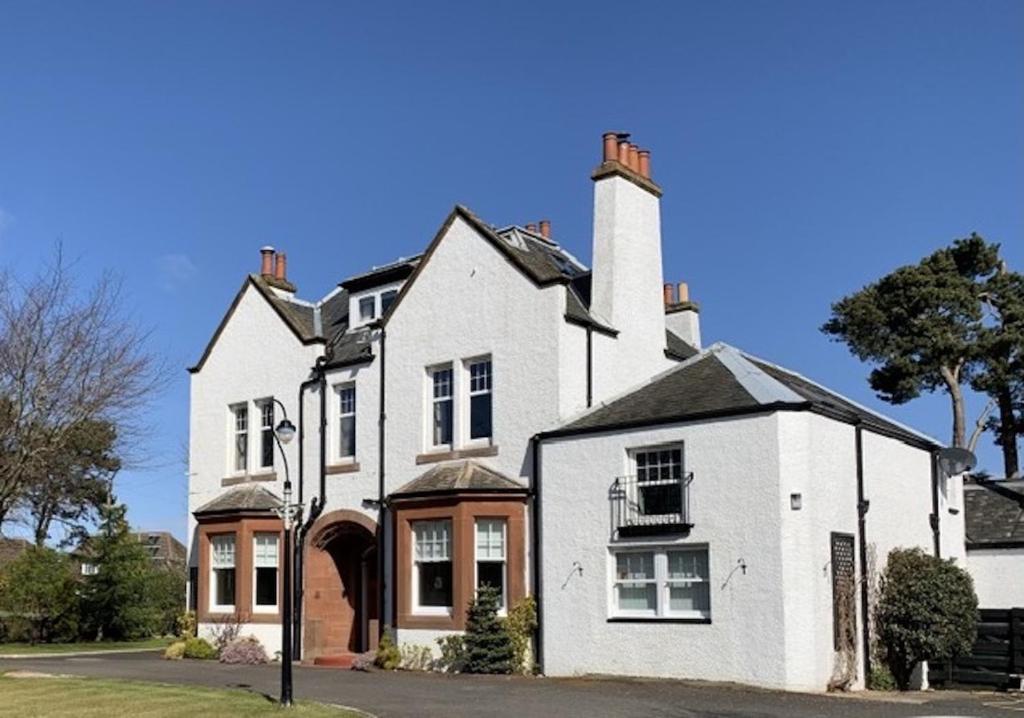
(494, 411)
(995, 541)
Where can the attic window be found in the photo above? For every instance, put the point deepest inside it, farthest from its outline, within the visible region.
(368, 308)
(387, 299)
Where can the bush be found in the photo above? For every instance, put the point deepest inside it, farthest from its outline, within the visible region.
(246, 651)
(453, 654)
(225, 630)
(416, 658)
(880, 679)
(365, 661)
(388, 656)
(175, 651)
(199, 649)
(185, 625)
(926, 610)
(521, 624)
(487, 643)
(38, 592)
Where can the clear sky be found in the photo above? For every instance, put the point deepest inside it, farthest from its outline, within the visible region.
(805, 148)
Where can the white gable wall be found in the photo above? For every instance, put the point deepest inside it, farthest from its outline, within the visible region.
(998, 575)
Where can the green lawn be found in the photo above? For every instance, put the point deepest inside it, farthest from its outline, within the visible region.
(7, 649)
(95, 698)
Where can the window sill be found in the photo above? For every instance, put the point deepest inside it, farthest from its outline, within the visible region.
(470, 453)
(657, 619)
(246, 478)
(349, 467)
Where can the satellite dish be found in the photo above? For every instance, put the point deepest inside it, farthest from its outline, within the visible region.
(953, 460)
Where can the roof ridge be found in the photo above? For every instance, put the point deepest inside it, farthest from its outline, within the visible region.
(755, 381)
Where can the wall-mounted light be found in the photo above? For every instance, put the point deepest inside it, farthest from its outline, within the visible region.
(796, 501)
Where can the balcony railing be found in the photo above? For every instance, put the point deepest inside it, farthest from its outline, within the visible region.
(644, 507)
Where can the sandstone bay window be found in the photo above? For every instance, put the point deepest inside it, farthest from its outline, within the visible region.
(240, 437)
(432, 566)
(480, 405)
(265, 562)
(346, 421)
(266, 433)
(222, 569)
(442, 406)
(669, 583)
(490, 556)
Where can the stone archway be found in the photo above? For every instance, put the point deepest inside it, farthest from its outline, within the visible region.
(341, 586)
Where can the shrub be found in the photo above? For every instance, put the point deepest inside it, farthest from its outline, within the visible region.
(38, 592)
(246, 651)
(487, 643)
(453, 653)
(521, 624)
(416, 658)
(388, 656)
(926, 610)
(224, 630)
(200, 649)
(365, 661)
(185, 624)
(880, 678)
(175, 651)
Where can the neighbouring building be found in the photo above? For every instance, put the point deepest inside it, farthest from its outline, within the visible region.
(164, 551)
(11, 549)
(995, 541)
(495, 411)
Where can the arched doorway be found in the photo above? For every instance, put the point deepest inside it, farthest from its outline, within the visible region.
(340, 592)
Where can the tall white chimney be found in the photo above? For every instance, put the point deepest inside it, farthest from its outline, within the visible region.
(626, 288)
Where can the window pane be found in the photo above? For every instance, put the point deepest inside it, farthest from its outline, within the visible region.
(266, 586)
(660, 500)
(442, 383)
(265, 550)
(367, 308)
(225, 587)
(480, 376)
(432, 542)
(691, 597)
(442, 422)
(638, 597)
(688, 564)
(241, 451)
(634, 565)
(347, 400)
(435, 585)
(267, 448)
(491, 573)
(480, 416)
(347, 444)
(223, 551)
(387, 299)
(490, 538)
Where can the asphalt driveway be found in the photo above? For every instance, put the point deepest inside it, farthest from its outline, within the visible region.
(430, 695)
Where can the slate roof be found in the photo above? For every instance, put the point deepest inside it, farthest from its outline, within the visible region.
(678, 348)
(994, 513)
(248, 498)
(720, 381)
(459, 476)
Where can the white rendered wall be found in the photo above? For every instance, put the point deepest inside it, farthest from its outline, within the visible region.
(268, 634)
(685, 324)
(998, 576)
(734, 505)
(572, 369)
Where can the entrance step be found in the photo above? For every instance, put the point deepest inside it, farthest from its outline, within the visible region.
(342, 660)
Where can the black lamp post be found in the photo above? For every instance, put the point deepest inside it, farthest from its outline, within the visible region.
(290, 515)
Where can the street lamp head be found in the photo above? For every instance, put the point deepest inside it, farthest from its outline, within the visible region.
(285, 431)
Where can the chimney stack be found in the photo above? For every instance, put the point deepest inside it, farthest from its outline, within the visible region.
(682, 317)
(267, 261)
(545, 228)
(281, 267)
(531, 227)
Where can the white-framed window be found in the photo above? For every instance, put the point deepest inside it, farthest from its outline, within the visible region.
(368, 308)
(491, 556)
(266, 408)
(89, 569)
(346, 420)
(264, 567)
(387, 298)
(240, 437)
(659, 480)
(662, 582)
(480, 404)
(442, 406)
(222, 569)
(432, 566)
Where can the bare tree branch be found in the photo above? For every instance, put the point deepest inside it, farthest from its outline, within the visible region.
(980, 424)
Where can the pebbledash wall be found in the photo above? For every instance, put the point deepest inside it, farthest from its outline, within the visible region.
(772, 622)
(998, 576)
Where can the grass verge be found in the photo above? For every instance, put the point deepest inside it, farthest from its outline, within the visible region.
(41, 649)
(59, 697)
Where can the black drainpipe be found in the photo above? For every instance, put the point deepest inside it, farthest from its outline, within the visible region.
(381, 504)
(590, 366)
(862, 510)
(536, 551)
(934, 518)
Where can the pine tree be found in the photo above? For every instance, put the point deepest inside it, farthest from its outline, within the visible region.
(488, 648)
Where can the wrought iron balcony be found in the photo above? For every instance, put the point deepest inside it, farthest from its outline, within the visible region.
(645, 507)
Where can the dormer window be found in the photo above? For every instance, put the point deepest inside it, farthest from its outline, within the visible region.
(368, 309)
(387, 299)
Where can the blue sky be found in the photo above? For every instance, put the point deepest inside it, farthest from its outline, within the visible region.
(805, 148)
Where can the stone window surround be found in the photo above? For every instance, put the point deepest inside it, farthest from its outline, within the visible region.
(244, 528)
(462, 510)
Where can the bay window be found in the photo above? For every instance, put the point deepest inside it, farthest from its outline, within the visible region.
(265, 562)
(664, 582)
(222, 564)
(432, 566)
(490, 556)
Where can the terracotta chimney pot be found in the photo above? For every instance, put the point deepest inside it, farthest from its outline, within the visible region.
(634, 159)
(668, 293)
(645, 163)
(267, 261)
(611, 147)
(531, 227)
(281, 267)
(684, 292)
(545, 228)
(624, 153)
